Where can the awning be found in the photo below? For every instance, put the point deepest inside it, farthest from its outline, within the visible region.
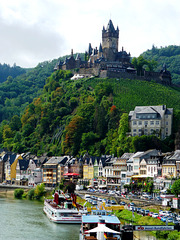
(102, 228)
(139, 176)
(71, 174)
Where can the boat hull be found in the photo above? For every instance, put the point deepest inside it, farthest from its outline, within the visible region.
(62, 215)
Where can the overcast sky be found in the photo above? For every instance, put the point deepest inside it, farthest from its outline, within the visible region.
(38, 30)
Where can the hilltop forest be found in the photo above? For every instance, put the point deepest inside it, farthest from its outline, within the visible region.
(46, 112)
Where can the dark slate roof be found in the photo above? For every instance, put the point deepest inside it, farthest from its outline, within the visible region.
(110, 27)
(12, 158)
(100, 48)
(104, 159)
(57, 160)
(176, 155)
(127, 156)
(23, 164)
(5, 157)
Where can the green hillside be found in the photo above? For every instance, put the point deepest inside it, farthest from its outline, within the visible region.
(169, 55)
(73, 117)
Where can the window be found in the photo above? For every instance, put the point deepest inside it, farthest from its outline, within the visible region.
(134, 130)
(157, 122)
(134, 122)
(152, 122)
(146, 130)
(140, 130)
(140, 122)
(166, 123)
(166, 116)
(145, 122)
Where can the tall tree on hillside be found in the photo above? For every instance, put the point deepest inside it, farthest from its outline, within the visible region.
(73, 135)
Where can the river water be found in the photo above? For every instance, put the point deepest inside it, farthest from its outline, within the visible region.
(25, 220)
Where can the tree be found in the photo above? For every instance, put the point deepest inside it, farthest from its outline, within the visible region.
(139, 63)
(176, 187)
(15, 123)
(39, 191)
(73, 135)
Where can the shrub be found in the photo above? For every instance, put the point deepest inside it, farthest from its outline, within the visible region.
(39, 191)
(18, 193)
(31, 194)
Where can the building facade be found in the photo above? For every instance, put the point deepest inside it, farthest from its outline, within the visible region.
(151, 120)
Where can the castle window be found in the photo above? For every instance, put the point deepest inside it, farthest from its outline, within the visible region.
(152, 122)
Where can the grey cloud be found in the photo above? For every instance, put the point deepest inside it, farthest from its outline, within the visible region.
(33, 43)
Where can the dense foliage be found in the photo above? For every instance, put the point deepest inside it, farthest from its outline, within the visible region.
(170, 56)
(6, 71)
(76, 116)
(17, 93)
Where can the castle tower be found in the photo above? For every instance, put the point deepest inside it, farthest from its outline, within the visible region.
(110, 38)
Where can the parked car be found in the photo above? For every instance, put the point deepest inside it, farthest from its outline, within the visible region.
(133, 209)
(138, 209)
(108, 201)
(150, 214)
(168, 213)
(94, 202)
(162, 213)
(155, 215)
(146, 212)
(113, 202)
(169, 219)
(142, 212)
(132, 204)
(122, 203)
(158, 198)
(163, 219)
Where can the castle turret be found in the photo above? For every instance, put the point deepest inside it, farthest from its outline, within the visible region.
(110, 38)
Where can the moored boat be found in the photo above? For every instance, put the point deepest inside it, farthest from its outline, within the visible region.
(63, 209)
(99, 226)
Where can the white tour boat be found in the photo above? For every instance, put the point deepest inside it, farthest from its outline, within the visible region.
(63, 209)
(99, 226)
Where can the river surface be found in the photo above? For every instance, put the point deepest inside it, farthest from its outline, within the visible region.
(25, 220)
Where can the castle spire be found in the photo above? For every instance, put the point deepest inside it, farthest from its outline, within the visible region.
(110, 27)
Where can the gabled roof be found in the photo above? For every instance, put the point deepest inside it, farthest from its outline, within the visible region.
(159, 110)
(12, 158)
(127, 155)
(23, 164)
(57, 160)
(176, 155)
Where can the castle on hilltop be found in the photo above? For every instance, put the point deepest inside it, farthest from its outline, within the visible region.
(107, 61)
